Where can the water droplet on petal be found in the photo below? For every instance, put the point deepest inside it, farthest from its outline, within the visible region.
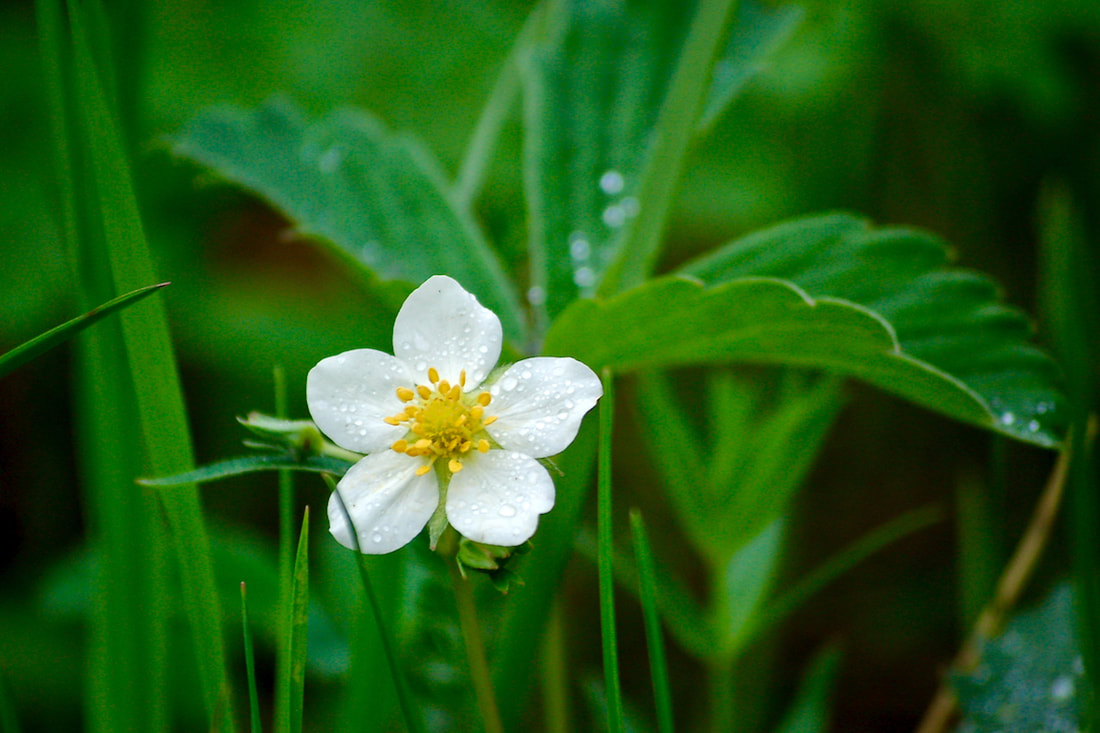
(508, 384)
(507, 510)
(376, 538)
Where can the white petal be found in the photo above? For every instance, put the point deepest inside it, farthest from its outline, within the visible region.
(349, 395)
(387, 502)
(498, 496)
(441, 325)
(539, 404)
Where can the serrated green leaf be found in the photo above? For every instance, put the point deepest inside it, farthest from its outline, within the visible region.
(593, 89)
(949, 319)
(673, 321)
(1031, 677)
(380, 199)
(59, 334)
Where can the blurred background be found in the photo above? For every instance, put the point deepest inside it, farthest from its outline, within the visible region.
(946, 116)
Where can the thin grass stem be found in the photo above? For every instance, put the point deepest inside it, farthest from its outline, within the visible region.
(250, 664)
(605, 558)
(647, 591)
(475, 650)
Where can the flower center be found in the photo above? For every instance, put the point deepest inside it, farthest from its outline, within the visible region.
(443, 422)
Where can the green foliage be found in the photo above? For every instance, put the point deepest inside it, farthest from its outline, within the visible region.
(379, 199)
(1031, 677)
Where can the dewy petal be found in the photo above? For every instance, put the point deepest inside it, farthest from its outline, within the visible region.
(350, 394)
(539, 404)
(387, 502)
(441, 325)
(498, 496)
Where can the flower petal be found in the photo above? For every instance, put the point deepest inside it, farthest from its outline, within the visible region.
(539, 404)
(349, 395)
(441, 325)
(387, 502)
(498, 496)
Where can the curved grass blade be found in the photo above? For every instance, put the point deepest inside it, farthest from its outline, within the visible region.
(122, 260)
(250, 464)
(647, 593)
(809, 713)
(42, 343)
(250, 665)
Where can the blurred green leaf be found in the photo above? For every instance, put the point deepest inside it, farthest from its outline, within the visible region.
(655, 644)
(751, 480)
(1031, 677)
(593, 88)
(23, 353)
(743, 584)
(380, 199)
(809, 713)
(947, 320)
(250, 664)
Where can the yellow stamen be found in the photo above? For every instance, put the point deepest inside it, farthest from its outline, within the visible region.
(484, 399)
(483, 446)
(400, 446)
(405, 394)
(477, 412)
(489, 420)
(433, 375)
(444, 387)
(392, 420)
(462, 378)
(454, 465)
(424, 469)
(455, 393)
(424, 392)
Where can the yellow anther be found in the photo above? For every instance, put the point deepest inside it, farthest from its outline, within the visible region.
(423, 391)
(454, 465)
(484, 399)
(464, 446)
(444, 387)
(400, 446)
(483, 446)
(476, 412)
(462, 378)
(418, 429)
(423, 443)
(461, 420)
(424, 469)
(393, 420)
(433, 375)
(411, 411)
(489, 420)
(405, 394)
(455, 393)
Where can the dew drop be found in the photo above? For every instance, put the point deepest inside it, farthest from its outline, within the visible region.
(376, 538)
(630, 206)
(1033, 426)
(1062, 688)
(507, 510)
(611, 182)
(614, 216)
(579, 249)
(536, 295)
(584, 277)
(508, 384)
(1008, 418)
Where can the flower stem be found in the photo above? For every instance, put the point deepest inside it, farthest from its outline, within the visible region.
(605, 556)
(475, 650)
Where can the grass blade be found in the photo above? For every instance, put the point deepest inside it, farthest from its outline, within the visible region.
(151, 365)
(647, 592)
(605, 559)
(42, 343)
(249, 464)
(413, 722)
(286, 557)
(296, 626)
(250, 664)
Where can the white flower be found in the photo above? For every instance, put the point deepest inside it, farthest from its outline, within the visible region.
(436, 436)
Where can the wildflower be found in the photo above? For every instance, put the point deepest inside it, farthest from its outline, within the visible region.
(445, 440)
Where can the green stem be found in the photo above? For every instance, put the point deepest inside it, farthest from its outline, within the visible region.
(555, 679)
(720, 682)
(479, 153)
(605, 558)
(286, 561)
(250, 665)
(676, 125)
(475, 650)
